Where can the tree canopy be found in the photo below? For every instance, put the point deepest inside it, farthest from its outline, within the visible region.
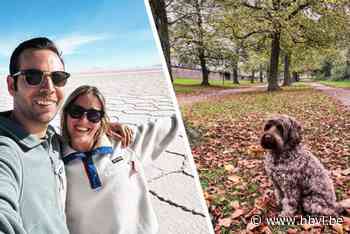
(225, 34)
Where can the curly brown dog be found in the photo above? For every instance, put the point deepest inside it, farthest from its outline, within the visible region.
(300, 181)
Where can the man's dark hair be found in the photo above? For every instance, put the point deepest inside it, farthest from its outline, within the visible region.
(34, 43)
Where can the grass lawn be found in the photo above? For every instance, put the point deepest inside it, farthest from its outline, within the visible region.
(230, 161)
(337, 84)
(192, 86)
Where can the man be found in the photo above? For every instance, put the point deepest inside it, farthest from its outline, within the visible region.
(32, 179)
(31, 172)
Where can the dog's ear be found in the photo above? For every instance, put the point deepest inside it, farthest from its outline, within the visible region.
(294, 133)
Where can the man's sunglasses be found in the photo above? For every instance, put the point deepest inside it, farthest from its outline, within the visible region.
(34, 77)
(76, 112)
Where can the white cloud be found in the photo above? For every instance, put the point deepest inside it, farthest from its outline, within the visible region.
(70, 44)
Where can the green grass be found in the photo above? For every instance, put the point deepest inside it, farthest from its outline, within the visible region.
(219, 83)
(193, 86)
(337, 84)
(185, 81)
(225, 230)
(212, 176)
(186, 89)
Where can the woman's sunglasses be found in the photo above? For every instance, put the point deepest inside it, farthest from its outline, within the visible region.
(76, 112)
(34, 77)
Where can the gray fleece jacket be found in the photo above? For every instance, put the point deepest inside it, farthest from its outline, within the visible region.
(29, 181)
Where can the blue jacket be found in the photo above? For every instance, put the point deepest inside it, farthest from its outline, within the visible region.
(31, 174)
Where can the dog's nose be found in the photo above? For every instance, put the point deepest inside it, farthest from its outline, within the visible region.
(267, 141)
(267, 137)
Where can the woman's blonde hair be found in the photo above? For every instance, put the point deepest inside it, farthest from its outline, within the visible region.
(78, 92)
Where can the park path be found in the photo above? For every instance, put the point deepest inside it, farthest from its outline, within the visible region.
(343, 95)
(340, 94)
(191, 99)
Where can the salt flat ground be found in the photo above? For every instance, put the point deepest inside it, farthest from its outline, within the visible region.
(135, 97)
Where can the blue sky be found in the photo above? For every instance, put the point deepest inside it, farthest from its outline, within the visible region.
(92, 34)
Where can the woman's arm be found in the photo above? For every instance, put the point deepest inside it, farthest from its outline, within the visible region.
(151, 139)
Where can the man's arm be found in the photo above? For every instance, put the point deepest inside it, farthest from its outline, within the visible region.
(151, 139)
(10, 189)
(120, 132)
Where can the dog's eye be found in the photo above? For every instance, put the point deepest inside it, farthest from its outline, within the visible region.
(267, 127)
(280, 129)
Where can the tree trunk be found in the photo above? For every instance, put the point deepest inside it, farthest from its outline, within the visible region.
(328, 73)
(205, 72)
(347, 71)
(160, 18)
(261, 75)
(252, 78)
(267, 72)
(286, 80)
(327, 69)
(273, 71)
(200, 44)
(235, 72)
(295, 76)
(346, 75)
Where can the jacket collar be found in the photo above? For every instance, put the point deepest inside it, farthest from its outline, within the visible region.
(104, 141)
(16, 132)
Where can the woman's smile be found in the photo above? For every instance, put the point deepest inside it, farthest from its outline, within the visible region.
(82, 131)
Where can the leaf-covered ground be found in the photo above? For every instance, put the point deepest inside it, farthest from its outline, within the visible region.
(230, 161)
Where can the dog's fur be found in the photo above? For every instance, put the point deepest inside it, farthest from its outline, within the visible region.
(300, 181)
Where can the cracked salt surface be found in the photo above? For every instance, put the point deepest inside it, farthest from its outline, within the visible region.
(174, 204)
(134, 99)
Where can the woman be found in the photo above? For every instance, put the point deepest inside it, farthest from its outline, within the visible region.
(106, 187)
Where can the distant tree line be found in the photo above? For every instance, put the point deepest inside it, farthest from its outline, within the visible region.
(257, 37)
